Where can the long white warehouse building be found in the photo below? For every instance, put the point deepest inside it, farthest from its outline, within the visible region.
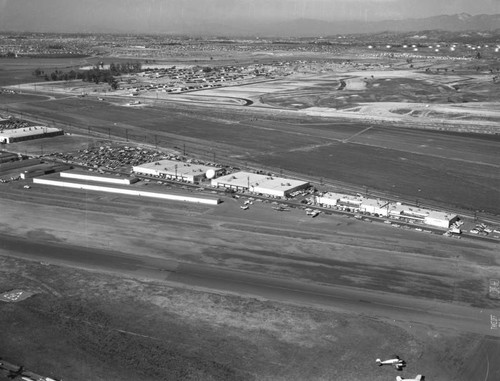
(103, 178)
(126, 191)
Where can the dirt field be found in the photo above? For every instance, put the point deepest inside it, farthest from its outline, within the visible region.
(108, 330)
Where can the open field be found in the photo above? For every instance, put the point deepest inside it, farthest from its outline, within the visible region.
(102, 323)
(458, 170)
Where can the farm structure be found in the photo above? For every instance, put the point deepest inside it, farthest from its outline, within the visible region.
(260, 184)
(384, 208)
(100, 177)
(125, 190)
(177, 170)
(28, 133)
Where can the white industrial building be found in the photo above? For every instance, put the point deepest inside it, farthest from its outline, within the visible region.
(419, 215)
(259, 184)
(28, 133)
(342, 201)
(99, 177)
(384, 208)
(177, 170)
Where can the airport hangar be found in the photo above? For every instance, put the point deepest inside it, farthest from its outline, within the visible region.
(177, 170)
(28, 133)
(384, 208)
(259, 184)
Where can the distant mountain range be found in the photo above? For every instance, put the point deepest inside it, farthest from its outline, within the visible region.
(308, 27)
(228, 27)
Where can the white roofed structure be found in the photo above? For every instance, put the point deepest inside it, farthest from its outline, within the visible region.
(98, 177)
(176, 170)
(260, 184)
(28, 133)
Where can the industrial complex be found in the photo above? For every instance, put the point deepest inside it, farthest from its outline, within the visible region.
(388, 209)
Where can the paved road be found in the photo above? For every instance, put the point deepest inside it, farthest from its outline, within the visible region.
(404, 310)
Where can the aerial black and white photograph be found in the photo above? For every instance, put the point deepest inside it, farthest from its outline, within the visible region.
(249, 190)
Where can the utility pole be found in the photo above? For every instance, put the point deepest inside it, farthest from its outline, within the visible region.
(184, 149)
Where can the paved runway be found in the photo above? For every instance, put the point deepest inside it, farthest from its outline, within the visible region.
(404, 310)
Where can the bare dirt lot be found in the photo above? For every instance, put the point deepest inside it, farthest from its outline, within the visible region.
(126, 327)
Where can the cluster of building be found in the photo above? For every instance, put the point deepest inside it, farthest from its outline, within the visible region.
(387, 209)
(265, 185)
(178, 79)
(75, 179)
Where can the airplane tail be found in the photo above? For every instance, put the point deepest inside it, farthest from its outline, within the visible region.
(398, 378)
(378, 361)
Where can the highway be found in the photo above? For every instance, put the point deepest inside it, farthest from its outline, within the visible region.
(400, 309)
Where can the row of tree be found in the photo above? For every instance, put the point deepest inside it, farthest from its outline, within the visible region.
(98, 74)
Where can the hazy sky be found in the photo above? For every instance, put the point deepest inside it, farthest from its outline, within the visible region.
(167, 15)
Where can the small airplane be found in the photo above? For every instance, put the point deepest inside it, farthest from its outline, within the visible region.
(396, 362)
(281, 208)
(418, 378)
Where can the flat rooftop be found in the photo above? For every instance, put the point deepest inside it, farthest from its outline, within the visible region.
(27, 131)
(179, 168)
(257, 181)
